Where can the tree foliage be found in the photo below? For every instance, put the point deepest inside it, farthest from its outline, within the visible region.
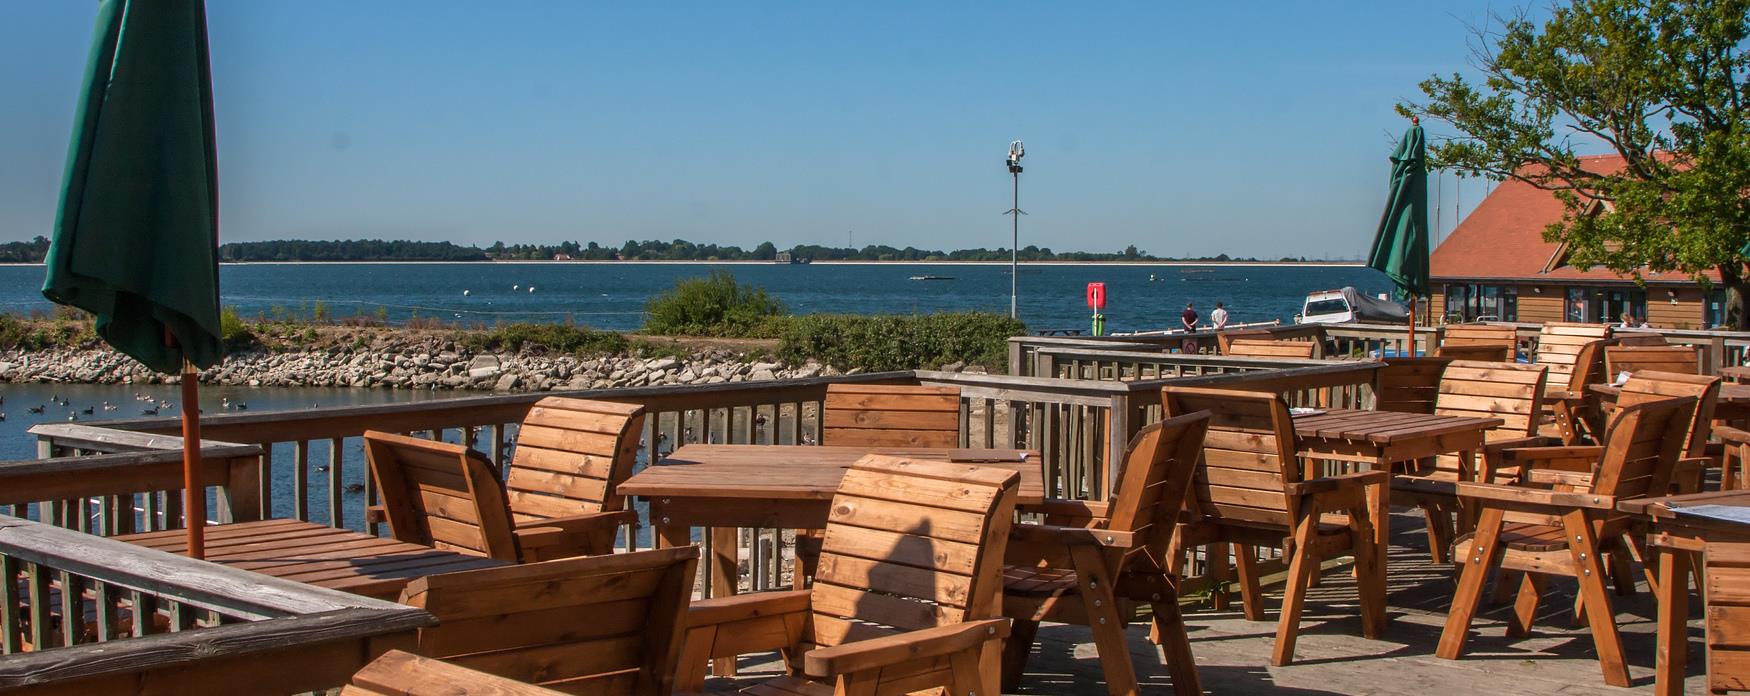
(1664, 84)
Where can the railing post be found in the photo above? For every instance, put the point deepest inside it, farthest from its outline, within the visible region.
(1716, 359)
(1015, 366)
(1121, 425)
(239, 498)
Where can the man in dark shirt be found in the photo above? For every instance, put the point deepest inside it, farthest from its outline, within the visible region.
(1189, 319)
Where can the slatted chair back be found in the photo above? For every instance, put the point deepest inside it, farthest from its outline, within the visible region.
(605, 625)
(1153, 480)
(1269, 348)
(910, 544)
(1588, 367)
(1248, 454)
(1650, 385)
(399, 673)
(1408, 385)
(571, 455)
(1679, 359)
(1642, 443)
(1559, 344)
(1225, 339)
(883, 415)
(1512, 392)
(440, 495)
(1479, 342)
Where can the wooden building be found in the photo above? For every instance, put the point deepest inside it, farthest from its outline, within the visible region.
(1497, 266)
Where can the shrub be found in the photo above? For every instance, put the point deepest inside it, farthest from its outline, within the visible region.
(556, 338)
(894, 342)
(714, 306)
(234, 331)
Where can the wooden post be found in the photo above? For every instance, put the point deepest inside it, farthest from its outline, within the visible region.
(1410, 348)
(194, 508)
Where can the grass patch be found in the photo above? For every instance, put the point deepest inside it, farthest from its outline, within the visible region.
(897, 342)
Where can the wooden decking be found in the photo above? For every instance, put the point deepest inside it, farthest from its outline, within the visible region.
(1332, 658)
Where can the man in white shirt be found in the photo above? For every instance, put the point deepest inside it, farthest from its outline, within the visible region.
(1219, 316)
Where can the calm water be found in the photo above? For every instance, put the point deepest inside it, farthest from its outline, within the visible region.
(612, 296)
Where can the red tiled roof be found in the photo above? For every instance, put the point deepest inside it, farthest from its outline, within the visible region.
(1503, 238)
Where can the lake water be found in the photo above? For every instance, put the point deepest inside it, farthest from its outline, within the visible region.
(612, 295)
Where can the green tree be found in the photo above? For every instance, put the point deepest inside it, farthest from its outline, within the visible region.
(1665, 84)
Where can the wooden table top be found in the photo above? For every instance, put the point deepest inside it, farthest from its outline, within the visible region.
(1385, 427)
(1664, 508)
(801, 472)
(339, 559)
(1730, 392)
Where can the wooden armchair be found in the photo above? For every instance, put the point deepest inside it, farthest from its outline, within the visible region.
(1570, 413)
(1224, 339)
(1488, 342)
(1251, 492)
(1631, 359)
(1091, 562)
(1559, 523)
(1269, 348)
(448, 496)
(399, 673)
(1559, 345)
(1512, 392)
(1647, 385)
(598, 625)
(882, 415)
(1408, 385)
(905, 597)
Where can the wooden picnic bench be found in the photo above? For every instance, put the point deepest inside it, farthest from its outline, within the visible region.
(1680, 541)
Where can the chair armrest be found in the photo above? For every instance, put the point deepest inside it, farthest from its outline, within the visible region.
(722, 610)
(1070, 536)
(1326, 484)
(560, 531)
(1068, 508)
(1518, 443)
(1561, 478)
(1520, 455)
(891, 650)
(1532, 499)
(1731, 435)
(376, 514)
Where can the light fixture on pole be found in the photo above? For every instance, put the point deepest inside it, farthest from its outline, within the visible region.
(1016, 152)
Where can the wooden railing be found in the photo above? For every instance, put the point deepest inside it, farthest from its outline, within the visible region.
(84, 614)
(133, 485)
(1080, 428)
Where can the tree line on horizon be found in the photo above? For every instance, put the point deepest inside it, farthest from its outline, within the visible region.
(34, 250)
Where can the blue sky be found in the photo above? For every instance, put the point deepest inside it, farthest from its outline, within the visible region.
(1242, 128)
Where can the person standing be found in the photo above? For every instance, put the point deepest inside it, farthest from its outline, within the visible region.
(1219, 316)
(1189, 320)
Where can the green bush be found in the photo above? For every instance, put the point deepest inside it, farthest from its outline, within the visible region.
(234, 331)
(557, 338)
(714, 306)
(66, 330)
(894, 342)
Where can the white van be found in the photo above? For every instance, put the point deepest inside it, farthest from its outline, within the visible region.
(1345, 305)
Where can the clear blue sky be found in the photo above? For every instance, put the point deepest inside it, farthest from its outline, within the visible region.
(1245, 128)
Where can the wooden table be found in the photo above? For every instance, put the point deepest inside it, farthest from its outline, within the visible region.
(1679, 539)
(1380, 439)
(319, 555)
(1733, 405)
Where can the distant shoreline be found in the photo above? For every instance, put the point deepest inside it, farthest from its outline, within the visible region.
(385, 262)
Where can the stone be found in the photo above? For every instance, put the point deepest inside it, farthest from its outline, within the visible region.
(507, 381)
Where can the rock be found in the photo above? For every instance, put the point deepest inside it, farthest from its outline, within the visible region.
(760, 374)
(483, 366)
(661, 364)
(954, 367)
(507, 382)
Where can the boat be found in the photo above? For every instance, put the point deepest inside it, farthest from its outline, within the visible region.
(1346, 305)
(932, 277)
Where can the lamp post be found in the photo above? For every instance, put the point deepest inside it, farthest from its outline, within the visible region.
(1016, 152)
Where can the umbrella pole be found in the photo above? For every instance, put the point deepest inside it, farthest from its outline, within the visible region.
(1410, 347)
(194, 504)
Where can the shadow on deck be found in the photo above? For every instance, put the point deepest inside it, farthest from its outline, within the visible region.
(1332, 657)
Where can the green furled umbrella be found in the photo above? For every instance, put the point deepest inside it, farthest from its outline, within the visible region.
(1400, 248)
(136, 240)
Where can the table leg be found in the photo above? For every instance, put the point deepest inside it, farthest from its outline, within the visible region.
(1468, 471)
(1379, 498)
(670, 536)
(724, 562)
(1673, 622)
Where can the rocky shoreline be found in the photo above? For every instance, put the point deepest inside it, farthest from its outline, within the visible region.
(425, 365)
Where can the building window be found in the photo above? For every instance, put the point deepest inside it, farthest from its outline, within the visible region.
(1481, 303)
(1576, 307)
(1714, 309)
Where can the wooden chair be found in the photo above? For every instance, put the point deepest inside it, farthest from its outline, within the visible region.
(1512, 392)
(881, 415)
(1648, 385)
(1570, 413)
(598, 625)
(1734, 459)
(905, 597)
(1250, 492)
(399, 673)
(447, 496)
(1408, 385)
(1679, 359)
(1560, 522)
(1637, 338)
(1728, 613)
(1224, 339)
(1267, 348)
(571, 454)
(1479, 342)
(1559, 344)
(1091, 562)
